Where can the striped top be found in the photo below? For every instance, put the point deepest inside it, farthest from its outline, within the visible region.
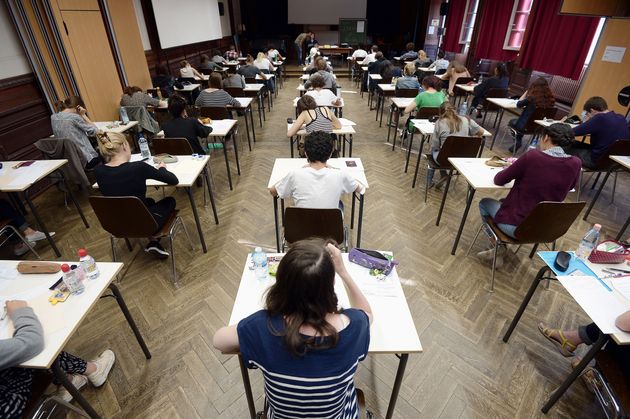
(317, 385)
(319, 121)
(217, 98)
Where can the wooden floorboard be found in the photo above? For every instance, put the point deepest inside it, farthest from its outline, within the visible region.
(466, 370)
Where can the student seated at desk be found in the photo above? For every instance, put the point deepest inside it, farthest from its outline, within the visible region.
(410, 54)
(71, 122)
(310, 41)
(409, 79)
(217, 58)
(273, 54)
(7, 212)
(544, 174)
(423, 60)
(207, 64)
(231, 54)
(186, 71)
(181, 126)
(454, 71)
(322, 95)
(538, 95)
(567, 341)
(440, 65)
(28, 341)
(313, 53)
(164, 80)
(314, 118)
(499, 80)
(121, 177)
(134, 96)
(449, 123)
(328, 78)
(249, 70)
(233, 79)
(214, 95)
(389, 70)
(604, 126)
(431, 96)
(371, 57)
(263, 63)
(316, 185)
(358, 54)
(313, 67)
(305, 346)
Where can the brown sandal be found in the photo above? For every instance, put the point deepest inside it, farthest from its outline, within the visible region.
(565, 347)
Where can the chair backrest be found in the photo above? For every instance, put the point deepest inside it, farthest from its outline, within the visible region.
(214, 112)
(495, 92)
(540, 113)
(440, 72)
(618, 148)
(235, 91)
(463, 80)
(302, 223)
(206, 71)
(548, 221)
(152, 92)
(172, 146)
(458, 146)
(249, 80)
(190, 80)
(162, 115)
(124, 216)
(406, 92)
(427, 112)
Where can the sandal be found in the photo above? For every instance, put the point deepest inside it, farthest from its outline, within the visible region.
(565, 347)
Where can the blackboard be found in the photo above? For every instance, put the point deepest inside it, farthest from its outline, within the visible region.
(348, 31)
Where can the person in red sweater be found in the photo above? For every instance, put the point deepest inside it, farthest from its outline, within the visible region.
(544, 174)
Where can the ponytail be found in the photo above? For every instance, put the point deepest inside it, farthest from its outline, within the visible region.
(448, 114)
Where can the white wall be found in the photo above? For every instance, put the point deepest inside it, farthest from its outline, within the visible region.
(144, 34)
(13, 61)
(225, 19)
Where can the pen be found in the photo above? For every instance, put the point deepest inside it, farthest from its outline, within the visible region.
(4, 311)
(604, 284)
(620, 270)
(56, 283)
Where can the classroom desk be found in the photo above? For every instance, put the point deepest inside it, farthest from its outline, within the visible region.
(398, 103)
(376, 78)
(392, 332)
(506, 105)
(383, 90)
(222, 129)
(623, 162)
(246, 106)
(337, 109)
(592, 302)
(548, 122)
(61, 321)
(426, 69)
(187, 169)
(188, 89)
(479, 177)
(13, 181)
(255, 90)
(467, 89)
(335, 50)
(345, 134)
(115, 126)
(282, 167)
(306, 77)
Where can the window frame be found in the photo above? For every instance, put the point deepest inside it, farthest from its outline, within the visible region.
(511, 29)
(472, 26)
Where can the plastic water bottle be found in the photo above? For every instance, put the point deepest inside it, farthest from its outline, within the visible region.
(589, 242)
(480, 79)
(260, 264)
(123, 115)
(88, 264)
(463, 109)
(534, 144)
(144, 148)
(72, 279)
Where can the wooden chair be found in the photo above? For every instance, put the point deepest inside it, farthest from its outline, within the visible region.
(127, 217)
(608, 383)
(491, 107)
(214, 112)
(206, 71)
(302, 223)
(406, 92)
(605, 165)
(547, 222)
(235, 91)
(457, 93)
(173, 146)
(531, 127)
(7, 229)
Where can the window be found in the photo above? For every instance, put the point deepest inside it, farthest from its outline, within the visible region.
(469, 21)
(518, 23)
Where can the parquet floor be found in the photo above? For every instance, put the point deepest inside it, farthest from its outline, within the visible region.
(465, 370)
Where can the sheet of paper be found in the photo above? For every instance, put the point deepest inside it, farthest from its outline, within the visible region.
(24, 175)
(613, 54)
(431, 30)
(360, 26)
(346, 122)
(622, 286)
(601, 305)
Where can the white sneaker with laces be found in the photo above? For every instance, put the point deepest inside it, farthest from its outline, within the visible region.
(78, 380)
(38, 235)
(21, 248)
(104, 364)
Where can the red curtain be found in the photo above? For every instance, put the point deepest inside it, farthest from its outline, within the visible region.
(454, 19)
(493, 23)
(556, 44)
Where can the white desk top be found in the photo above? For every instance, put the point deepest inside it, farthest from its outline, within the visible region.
(402, 102)
(244, 101)
(59, 321)
(282, 167)
(295, 101)
(364, 68)
(622, 160)
(301, 88)
(426, 69)
(346, 129)
(425, 127)
(548, 122)
(477, 173)
(306, 77)
(468, 88)
(22, 178)
(387, 87)
(393, 329)
(204, 77)
(375, 76)
(221, 127)
(266, 77)
(188, 87)
(253, 87)
(503, 102)
(108, 126)
(277, 63)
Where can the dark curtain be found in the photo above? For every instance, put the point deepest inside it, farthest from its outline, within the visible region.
(493, 23)
(454, 20)
(556, 44)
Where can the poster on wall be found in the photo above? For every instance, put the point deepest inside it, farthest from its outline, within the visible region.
(613, 54)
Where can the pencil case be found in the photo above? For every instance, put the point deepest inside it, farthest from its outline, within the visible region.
(372, 259)
(601, 256)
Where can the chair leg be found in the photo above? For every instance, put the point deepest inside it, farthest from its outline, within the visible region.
(192, 247)
(612, 201)
(112, 241)
(23, 239)
(173, 268)
(494, 265)
(579, 185)
(426, 185)
(475, 239)
(69, 406)
(533, 252)
(128, 243)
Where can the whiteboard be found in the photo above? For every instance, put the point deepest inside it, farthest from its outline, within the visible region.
(325, 12)
(181, 23)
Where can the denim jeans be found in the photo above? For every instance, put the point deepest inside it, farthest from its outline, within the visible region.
(490, 207)
(431, 172)
(299, 54)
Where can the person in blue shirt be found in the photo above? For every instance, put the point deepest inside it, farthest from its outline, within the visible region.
(604, 126)
(410, 54)
(499, 80)
(306, 347)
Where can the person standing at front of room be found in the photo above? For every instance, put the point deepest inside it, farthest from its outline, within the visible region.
(299, 43)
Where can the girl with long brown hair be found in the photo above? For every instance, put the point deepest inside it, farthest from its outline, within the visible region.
(538, 95)
(307, 348)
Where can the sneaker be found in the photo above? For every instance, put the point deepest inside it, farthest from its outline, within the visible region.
(104, 364)
(157, 250)
(78, 381)
(21, 248)
(37, 236)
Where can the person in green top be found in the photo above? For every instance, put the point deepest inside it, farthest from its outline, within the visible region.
(430, 96)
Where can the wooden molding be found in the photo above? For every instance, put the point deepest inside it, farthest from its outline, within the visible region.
(16, 81)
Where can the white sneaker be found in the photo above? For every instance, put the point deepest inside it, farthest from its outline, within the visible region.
(21, 248)
(38, 235)
(78, 380)
(104, 364)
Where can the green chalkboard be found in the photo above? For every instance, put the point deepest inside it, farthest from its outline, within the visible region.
(348, 31)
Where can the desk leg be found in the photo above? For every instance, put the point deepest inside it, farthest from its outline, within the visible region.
(354, 198)
(227, 162)
(402, 364)
(214, 207)
(62, 377)
(380, 123)
(471, 195)
(448, 183)
(41, 224)
(123, 307)
(238, 164)
(197, 222)
(350, 145)
(517, 317)
(378, 105)
(360, 220)
(262, 104)
(275, 219)
(409, 150)
(248, 388)
(415, 174)
(599, 191)
(249, 143)
(260, 119)
(74, 201)
(575, 373)
(251, 119)
(623, 228)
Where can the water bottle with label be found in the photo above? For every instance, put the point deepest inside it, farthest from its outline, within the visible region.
(88, 264)
(589, 242)
(259, 258)
(123, 115)
(72, 279)
(534, 144)
(144, 147)
(463, 109)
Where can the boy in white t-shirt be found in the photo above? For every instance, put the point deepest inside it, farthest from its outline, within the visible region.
(316, 185)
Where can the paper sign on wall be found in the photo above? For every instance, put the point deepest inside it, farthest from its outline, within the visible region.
(431, 30)
(360, 26)
(435, 22)
(613, 54)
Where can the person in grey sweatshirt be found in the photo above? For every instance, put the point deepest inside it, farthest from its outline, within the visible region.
(27, 342)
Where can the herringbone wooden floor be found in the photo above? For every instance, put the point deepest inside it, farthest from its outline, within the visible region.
(465, 370)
